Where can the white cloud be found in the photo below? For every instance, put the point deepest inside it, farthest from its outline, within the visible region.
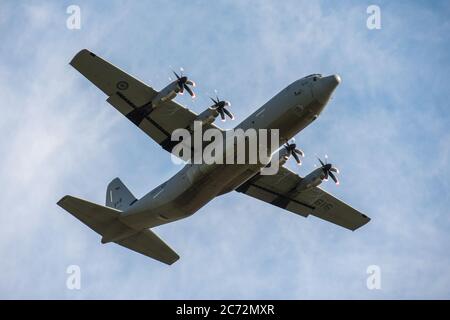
(61, 137)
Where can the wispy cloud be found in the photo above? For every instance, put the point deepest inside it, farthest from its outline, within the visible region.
(386, 129)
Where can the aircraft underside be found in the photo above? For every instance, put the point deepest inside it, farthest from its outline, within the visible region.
(125, 219)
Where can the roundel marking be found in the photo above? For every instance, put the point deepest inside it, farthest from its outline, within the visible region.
(122, 85)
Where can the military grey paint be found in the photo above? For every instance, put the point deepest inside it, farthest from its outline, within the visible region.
(126, 220)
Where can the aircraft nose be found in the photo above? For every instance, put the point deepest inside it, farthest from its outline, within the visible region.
(325, 87)
(335, 78)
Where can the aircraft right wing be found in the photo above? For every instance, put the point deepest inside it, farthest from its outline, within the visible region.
(279, 190)
(133, 99)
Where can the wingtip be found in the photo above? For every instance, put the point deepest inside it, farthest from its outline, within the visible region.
(62, 200)
(363, 224)
(81, 53)
(367, 218)
(174, 260)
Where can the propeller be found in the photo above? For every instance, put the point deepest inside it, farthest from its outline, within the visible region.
(221, 107)
(291, 148)
(183, 83)
(328, 169)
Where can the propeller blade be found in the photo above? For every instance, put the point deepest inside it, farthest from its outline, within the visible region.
(190, 82)
(321, 162)
(300, 152)
(334, 169)
(176, 75)
(189, 91)
(296, 158)
(326, 176)
(228, 113)
(334, 178)
(222, 115)
(290, 146)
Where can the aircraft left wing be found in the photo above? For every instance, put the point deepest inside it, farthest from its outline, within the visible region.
(133, 99)
(279, 190)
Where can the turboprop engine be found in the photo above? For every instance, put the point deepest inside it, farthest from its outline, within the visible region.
(318, 175)
(172, 89)
(218, 108)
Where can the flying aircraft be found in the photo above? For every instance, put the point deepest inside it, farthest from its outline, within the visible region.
(127, 221)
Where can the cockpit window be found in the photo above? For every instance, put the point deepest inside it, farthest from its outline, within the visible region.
(317, 75)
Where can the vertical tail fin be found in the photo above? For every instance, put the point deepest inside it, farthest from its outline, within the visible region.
(118, 196)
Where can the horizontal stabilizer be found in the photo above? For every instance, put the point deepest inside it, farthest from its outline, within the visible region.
(106, 222)
(96, 217)
(149, 244)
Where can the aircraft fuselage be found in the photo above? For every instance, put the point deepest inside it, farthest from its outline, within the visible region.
(290, 111)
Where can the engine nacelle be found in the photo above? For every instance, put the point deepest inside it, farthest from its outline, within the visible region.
(283, 156)
(206, 117)
(166, 94)
(278, 159)
(311, 180)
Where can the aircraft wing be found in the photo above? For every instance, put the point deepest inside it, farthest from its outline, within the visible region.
(128, 94)
(279, 190)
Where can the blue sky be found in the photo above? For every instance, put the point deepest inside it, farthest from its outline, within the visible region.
(386, 129)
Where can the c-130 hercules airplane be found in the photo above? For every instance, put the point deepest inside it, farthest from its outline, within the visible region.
(126, 220)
